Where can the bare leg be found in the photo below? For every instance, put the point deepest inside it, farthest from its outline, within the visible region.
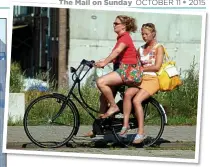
(104, 84)
(127, 105)
(103, 108)
(137, 102)
(104, 105)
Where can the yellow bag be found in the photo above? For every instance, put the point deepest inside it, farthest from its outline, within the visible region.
(168, 75)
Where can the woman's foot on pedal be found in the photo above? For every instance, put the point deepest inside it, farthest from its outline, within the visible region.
(111, 111)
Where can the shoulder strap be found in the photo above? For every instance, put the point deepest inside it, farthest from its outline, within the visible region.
(164, 49)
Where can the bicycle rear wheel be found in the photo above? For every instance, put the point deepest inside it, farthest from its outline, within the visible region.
(154, 122)
(44, 126)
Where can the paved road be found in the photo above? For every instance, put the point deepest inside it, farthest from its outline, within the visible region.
(180, 143)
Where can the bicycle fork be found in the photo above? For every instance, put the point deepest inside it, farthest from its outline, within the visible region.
(60, 111)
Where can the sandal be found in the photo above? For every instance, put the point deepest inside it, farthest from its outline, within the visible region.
(124, 131)
(139, 139)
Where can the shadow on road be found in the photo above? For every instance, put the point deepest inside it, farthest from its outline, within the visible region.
(82, 142)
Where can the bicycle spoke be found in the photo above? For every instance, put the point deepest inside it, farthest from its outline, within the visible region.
(40, 126)
(153, 125)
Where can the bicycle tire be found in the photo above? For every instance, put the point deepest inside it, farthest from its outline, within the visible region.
(149, 141)
(62, 121)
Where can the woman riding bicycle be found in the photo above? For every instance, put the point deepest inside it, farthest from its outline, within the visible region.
(151, 58)
(123, 51)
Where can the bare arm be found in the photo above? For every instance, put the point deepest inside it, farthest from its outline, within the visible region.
(112, 56)
(115, 52)
(158, 62)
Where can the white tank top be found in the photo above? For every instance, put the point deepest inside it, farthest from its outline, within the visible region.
(149, 59)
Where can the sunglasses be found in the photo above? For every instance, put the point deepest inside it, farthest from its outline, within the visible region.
(115, 23)
(147, 25)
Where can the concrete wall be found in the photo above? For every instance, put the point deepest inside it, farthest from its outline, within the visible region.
(92, 35)
(16, 106)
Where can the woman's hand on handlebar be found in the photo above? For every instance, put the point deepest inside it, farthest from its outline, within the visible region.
(100, 64)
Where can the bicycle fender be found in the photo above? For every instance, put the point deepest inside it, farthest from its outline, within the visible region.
(164, 112)
(160, 105)
(60, 95)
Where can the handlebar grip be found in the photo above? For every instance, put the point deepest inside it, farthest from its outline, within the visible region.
(88, 63)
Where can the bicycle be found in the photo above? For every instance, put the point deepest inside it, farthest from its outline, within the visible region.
(66, 117)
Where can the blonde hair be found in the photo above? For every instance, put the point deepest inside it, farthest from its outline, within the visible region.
(150, 27)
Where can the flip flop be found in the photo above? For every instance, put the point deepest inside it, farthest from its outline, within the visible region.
(124, 131)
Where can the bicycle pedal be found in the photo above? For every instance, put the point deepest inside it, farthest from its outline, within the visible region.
(124, 135)
(119, 115)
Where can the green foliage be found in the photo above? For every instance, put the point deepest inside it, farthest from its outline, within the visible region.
(16, 76)
(17, 122)
(181, 103)
(91, 97)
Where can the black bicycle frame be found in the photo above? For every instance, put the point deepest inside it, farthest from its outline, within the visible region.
(77, 80)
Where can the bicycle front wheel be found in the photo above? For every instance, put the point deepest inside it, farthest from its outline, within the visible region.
(50, 121)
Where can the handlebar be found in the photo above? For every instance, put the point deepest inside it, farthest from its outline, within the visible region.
(88, 63)
(80, 68)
